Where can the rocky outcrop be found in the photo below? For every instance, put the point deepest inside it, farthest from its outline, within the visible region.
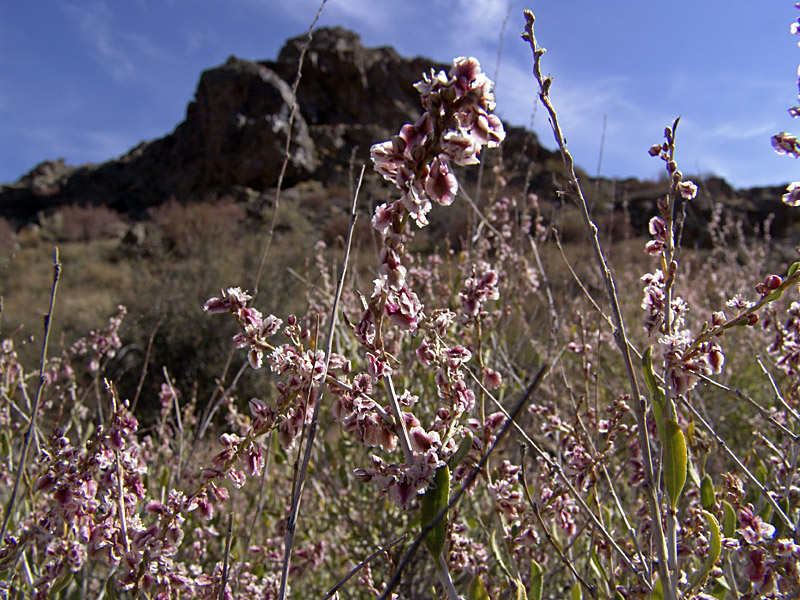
(234, 133)
(232, 142)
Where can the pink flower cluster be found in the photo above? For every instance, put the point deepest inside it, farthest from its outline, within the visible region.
(686, 361)
(456, 124)
(255, 328)
(654, 302)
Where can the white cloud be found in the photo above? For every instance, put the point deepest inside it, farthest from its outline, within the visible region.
(120, 52)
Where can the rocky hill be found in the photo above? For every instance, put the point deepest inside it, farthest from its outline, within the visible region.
(232, 141)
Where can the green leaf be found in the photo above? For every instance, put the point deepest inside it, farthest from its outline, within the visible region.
(520, 591)
(60, 584)
(675, 460)
(537, 579)
(597, 567)
(496, 544)
(599, 572)
(728, 519)
(111, 588)
(707, 498)
(656, 393)
(714, 550)
(433, 502)
(761, 472)
(577, 592)
(658, 591)
(792, 269)
(461, 453)
(774, 295)
(477, 591)
(694, 475)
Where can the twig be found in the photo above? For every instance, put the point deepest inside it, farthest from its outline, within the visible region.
(228, 538)
(778, 395)
(400, 424)
(145, 362)
(732, 455)
(761, 410)
(48, 320)
(178, 422)
(287, 147)
(554, 322)
(567, 562)
(620, 337)
(120, 479)
(259, 505)
(468, 481)
(573, 491)
(361, 565)
(312, 428)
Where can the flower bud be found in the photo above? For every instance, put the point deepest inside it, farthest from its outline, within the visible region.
(672, 166)
(773, 282)
(655, 150)
(752, 319)
(448, 94)
(677, 176)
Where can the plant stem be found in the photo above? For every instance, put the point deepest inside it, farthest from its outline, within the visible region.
(48, 319)
(620, 337)
(312, 428)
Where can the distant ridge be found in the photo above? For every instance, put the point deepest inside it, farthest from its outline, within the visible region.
(231, 142)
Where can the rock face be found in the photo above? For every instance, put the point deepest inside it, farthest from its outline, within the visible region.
(235, 131)
(234, 134)
(232, 141)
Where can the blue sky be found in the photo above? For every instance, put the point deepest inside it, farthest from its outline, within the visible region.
(88, 79)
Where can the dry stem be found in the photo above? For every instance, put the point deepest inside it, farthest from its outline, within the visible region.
(620, 336)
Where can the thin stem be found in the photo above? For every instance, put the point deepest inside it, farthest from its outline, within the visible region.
(361, 565)
(620, 337)
(400, 426)
(468, 481)
(145, 362)
(312, 428)
(48, 320)
(535, 506)
(776, 390)
(753, 479)
(286, 155)
(573, 491)
(761, 410)
(228, 539)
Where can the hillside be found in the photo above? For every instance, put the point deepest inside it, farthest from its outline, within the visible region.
(231, 143)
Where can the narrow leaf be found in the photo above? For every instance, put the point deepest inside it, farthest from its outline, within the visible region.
(658, 591)
(477, 591)
(597, 567)
(675, 460)
(577, 592)
(496, 544)
(520, 591)
(656, 393)
(728, 519)
(537, 578)
(714, 550)
(461, 453)
(433, 502)
(707, 492)
(777, 522)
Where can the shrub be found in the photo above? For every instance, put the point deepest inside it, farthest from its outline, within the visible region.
(544, 430)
